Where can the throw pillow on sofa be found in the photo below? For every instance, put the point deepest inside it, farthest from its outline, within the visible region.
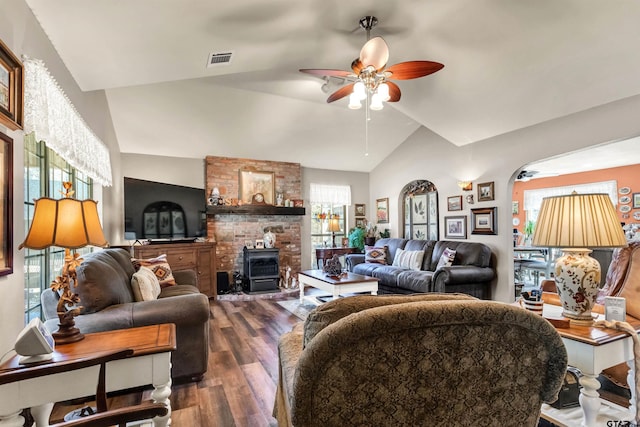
(375, 255)
(447, 258)
(408, 259)
(160, 267)
(145, 285)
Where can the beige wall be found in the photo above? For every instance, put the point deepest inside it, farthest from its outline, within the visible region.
(20, 31)
(425, 155)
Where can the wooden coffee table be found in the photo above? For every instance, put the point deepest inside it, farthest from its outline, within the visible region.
(149, 364)
(350, 283)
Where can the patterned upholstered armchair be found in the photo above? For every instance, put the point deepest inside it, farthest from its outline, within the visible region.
(436, 359)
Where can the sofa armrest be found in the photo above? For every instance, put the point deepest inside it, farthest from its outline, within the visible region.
(186, 309)
(461, 275)
(186, 277)
(352, 260)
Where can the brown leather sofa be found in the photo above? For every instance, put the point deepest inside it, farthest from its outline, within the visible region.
(104, 287)
(471, 272)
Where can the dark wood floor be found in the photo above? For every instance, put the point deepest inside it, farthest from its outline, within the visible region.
(239, 386)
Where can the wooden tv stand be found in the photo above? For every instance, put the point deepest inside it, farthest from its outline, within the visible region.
(197, 256)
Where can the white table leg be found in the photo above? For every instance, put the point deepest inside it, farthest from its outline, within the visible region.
(631, 380)
(160, 394)
(12, 420)
(589, 399)
(335, 292)
(301, 291)
(41, 414)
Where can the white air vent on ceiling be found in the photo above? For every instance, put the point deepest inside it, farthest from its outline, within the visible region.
(219, 58)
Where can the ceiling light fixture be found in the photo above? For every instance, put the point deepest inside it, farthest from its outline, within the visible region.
(370, 79)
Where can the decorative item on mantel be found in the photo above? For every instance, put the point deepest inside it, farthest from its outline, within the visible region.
(269, 239)
(576, 223)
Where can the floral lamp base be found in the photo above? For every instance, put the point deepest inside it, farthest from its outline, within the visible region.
(577, 277)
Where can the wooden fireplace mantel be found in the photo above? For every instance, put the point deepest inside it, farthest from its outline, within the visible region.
(254, 210)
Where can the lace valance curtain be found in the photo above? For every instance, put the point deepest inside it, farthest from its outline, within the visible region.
(333, 194)
(52, 118)
(533, 198)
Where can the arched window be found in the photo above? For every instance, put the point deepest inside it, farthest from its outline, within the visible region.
(420, 212)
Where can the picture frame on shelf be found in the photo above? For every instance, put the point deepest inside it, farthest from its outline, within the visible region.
(455, 227)
(636, 200)
(382, 210)
(259, 244)
(248, 244)
(360, 209)
(484, 221)
(11, 89)
(454, 203)
(252, 183)
(486, 192)
(6, 205)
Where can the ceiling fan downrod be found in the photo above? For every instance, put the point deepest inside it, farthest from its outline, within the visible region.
(367, 23)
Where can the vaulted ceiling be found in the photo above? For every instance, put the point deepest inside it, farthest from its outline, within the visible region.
(509, 64)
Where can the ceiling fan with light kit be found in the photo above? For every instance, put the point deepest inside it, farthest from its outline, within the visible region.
(370, 80)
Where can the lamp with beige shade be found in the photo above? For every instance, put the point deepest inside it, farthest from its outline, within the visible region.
(70, 224)
(577, 223)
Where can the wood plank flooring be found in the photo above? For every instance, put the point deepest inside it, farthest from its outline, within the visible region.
(239, 386)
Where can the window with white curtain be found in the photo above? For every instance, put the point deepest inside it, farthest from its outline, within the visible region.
(533, 198)
(328, 201)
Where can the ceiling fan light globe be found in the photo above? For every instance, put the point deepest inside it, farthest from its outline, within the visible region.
(376, 102)
(354, 102)
(383, 91)
(359, 90)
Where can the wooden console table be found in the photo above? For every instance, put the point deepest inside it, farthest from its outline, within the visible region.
(199, 256)
(323, 254)
(149, 364)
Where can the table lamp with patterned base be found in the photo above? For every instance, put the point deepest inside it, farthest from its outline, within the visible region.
(577, 223)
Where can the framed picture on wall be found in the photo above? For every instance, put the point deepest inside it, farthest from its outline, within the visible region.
(259, 184)
(485, 192)
(455, 227)
(484, 221)
(636, 200)
(360, 222)
(11, 89)
(382, 210)
(6, 205)
(360, 209)
(454, 203)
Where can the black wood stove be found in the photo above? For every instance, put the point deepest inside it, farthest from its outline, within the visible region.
(261, 270)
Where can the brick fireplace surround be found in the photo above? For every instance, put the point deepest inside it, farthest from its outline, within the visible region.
(232, 230)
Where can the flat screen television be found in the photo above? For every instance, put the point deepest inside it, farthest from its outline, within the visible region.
(163, 212)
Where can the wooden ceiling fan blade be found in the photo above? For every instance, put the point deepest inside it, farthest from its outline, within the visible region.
(413, 69)
(375, 52)
(331, 73)
(357, 66)
(341, 93)
(394, 92)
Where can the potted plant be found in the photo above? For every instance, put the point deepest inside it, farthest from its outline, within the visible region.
(529, 228)
(385, 234)
(356, 238)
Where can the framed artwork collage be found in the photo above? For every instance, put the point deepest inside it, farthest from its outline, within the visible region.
(483, 220)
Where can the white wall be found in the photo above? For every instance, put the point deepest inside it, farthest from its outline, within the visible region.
(359, 183)
(20, 31)
(425, 155)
